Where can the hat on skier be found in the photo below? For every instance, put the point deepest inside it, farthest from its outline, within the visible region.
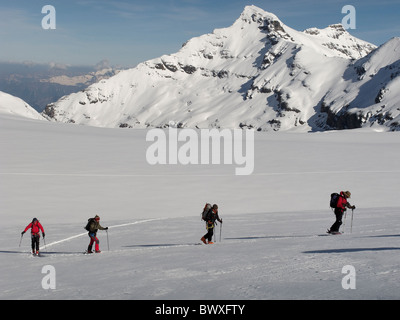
(97, 218)
(34, 220)
(347, 194)
(215, 206)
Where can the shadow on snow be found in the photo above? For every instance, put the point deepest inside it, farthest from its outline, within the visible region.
(352, 250)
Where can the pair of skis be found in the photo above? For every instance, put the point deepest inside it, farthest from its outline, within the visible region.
(334, 233)
(34, 254)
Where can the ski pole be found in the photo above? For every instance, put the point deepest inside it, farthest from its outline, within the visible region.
(220, 232)
(20, 240)
(351, 229)
(214, 232)
(108, 244)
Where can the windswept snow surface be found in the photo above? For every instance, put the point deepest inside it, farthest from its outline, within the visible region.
(273, 244)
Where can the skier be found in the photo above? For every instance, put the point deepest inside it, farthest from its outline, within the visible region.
(35, 227)
(341, 207)
(94, 226)
(211, 217)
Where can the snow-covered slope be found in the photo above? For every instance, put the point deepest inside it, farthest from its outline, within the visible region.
(273, 220)
(16, 107)
(368, 93)
(257, 73)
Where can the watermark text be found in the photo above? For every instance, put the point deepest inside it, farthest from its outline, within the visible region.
(349, 20)
(203, 146)
(49, 280)
(49, 20)
(349, 280)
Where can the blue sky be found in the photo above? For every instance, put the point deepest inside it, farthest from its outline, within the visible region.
(129, 32)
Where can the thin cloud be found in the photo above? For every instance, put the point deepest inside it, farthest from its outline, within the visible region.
(15, 20)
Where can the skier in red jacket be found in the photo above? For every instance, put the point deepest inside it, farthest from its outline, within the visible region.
(35, 227)
(341, 207)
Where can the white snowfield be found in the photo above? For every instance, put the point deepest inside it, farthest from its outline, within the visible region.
(273, 242)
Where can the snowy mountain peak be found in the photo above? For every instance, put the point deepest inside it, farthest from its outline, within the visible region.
(258, 73)
(336, 38)
(255, 14)
(266, 22)
(333, 31)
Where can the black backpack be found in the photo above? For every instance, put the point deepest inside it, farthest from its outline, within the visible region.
(204, 214)
(88, 225)
(334, 200)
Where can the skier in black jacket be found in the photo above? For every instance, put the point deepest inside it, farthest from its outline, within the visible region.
(211, 217)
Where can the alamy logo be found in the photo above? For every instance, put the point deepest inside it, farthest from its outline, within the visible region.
(349, 21)
(203, 146)
(49, 280)
(349, 280)
(49, 20)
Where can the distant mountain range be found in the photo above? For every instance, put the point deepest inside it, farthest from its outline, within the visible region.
(41, 84)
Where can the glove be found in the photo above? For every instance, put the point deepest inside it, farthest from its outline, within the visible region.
(106, 228)
(353, 207)
(22, 233)
(43, 234)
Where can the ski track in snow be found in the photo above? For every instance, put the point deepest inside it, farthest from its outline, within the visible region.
(94, 175)
(85, 233)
